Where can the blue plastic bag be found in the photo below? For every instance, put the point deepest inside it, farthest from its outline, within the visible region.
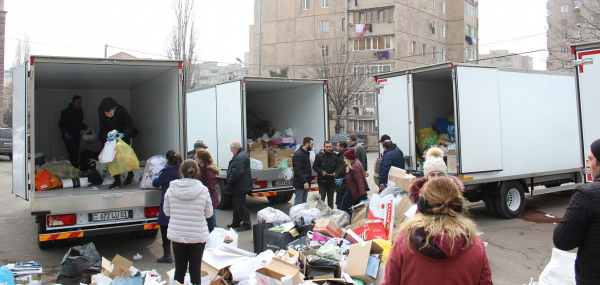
(441, 125)
(6, 276)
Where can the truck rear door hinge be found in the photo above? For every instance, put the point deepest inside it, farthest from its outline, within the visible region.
(29, 73)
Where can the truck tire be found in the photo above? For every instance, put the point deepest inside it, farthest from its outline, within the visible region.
(511, 202)
(276, 199)
(151, 233)
(288, 197)
(490, 204)
(43, 244)
(225, 199)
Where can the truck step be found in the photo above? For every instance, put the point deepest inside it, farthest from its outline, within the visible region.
(554, 189)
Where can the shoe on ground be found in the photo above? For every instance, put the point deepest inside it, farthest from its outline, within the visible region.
(128, 180)
(235, 226)
(115, 184)
(165, 259)
(244, 227)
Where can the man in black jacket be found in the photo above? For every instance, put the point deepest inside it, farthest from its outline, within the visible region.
(113, 116)
(239, 183)
(580, 227)
(325, 165)
(71, 124)
(340, 174)
(302, 172)
(361, 152)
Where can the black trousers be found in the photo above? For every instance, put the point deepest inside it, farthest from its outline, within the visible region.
(329, 191)
(163, 234)
(188, 253)
(73, 150)
(240, 211)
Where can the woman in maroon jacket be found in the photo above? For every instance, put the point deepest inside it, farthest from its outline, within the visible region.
(208, 176)
(439, 245)
(356, 180)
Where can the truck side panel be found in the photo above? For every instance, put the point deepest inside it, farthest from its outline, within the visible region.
(587, 76)
(201, 120)
(19, 183)
(230, 119)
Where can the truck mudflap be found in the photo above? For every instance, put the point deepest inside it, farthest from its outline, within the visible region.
(97, 232)
(269, 194)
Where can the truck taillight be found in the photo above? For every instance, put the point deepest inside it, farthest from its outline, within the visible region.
(259, 184)
(151, 212)
(61, 220)
(313, 179)
(31, 61)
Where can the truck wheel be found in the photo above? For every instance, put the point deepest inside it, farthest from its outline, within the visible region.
(151, 233)
(43, 244)
(10, 156)
(276, 199)
(490, 204)
(225, 199)
(288, 197)
(511, 202)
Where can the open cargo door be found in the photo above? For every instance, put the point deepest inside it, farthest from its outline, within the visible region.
(479, 129)
(201, 120)
(587, 79)
(19, 121)
(230, 120)
(395, 112)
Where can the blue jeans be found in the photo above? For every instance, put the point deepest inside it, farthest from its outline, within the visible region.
(339, 197)
(212, 221)
(301, 196)
(349, 201)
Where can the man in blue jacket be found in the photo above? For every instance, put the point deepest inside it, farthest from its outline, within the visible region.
(391, 157)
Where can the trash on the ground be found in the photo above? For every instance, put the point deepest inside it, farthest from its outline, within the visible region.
(138, 256)
(79, 264)
(93, 188)
(550, 215)
(555, 273)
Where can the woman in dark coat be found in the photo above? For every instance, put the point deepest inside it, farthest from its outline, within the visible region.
(208, 177)
(168, 174)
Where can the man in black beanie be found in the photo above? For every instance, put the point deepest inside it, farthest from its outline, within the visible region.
(580, 227)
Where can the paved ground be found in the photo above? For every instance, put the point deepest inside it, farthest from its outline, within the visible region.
(518, 249)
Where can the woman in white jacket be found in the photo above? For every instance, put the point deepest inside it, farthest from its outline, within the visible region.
(188, 204)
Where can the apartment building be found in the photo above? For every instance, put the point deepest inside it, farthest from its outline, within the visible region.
(503, 58)
(387, 34)
(210, 72)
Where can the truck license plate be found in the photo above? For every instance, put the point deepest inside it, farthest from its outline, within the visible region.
(283, 182)
(110, 216)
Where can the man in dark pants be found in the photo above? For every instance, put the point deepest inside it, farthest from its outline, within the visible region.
(113, 116)
(302, 171)
(71, 124)
(325, 165)
(239, 183)
(340, 174)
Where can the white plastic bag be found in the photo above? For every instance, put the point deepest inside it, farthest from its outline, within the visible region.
(272, 215)
(242, 270)
(218, 235)
(255, 164)
(108, 152)
(265, 137)
(276, 135)
(288, 132)
(89, 136)
(154, 166)
(288, 173)
(309, 213)
(560, 269)
(313, 155)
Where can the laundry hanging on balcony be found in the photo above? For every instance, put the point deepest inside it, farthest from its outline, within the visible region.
(360, 29)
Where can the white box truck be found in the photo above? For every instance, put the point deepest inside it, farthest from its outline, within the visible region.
(153, 93)
(515, 129)
(218, 115)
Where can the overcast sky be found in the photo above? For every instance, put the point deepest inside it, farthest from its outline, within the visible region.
(82, 28)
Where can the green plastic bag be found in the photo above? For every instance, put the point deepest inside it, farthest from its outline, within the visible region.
(283, 164)
(125, 160)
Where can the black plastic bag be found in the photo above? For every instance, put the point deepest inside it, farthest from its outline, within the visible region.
(79, 264)
(93, 176)
(320, 261)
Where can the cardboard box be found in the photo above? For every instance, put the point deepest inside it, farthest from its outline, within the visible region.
(328, 228)
(119, 266)
(255, 146)
(317, 272)
(358, 261)
(279, 272)
(400, 179)
(277, 156)
(360, 212)
(452, 161)
(214, 272)
(400, 210)
(262, 155)
(366, 230)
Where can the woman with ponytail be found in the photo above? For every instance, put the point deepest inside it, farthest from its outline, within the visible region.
(439, 245)
(168, 174)
(188, 204)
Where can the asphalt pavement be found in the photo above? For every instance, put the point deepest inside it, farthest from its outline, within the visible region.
(518, 249)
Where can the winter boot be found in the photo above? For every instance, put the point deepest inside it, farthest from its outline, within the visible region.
(128, 179)
(166, 258)
(115, 184)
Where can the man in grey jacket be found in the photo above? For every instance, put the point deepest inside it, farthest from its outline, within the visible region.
(239, 183)
(361, 152)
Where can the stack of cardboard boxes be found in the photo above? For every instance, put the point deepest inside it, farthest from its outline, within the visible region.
(398, 178)
(270, 158)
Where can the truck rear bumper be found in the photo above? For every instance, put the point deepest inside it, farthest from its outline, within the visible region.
(97, 232)
(280, 192)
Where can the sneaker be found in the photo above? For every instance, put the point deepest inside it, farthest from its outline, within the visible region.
(244, 227)
(128, 179)
(165, 259)
(235, 226)
(115, 184)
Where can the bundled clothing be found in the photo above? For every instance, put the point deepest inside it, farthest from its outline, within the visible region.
(436, 263)
(120, 121)
(302, 174)
(391, 157)
(580, 228)
(414, 190)
(326, 162)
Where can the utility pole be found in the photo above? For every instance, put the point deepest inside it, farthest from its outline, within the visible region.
(105, 49)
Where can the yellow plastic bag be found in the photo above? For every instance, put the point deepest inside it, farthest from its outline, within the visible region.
(387, 247)
(427, 136)
(125, 160)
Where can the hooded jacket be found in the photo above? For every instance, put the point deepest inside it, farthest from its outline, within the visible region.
(168, 174)
(239, 175)
(301, 167)
(208, 177)
(71, 122)
(188, 204)
(580, 228)
(120, 121)
(327, 162)
(437, 263)
(357, 182)
(415, 188)
(341, 173)
(391, 157)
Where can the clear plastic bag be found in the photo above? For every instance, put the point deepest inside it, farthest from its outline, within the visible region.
(255, 164)
(154, 165)
(288, 132)
(451, 137)
(393, 190)
(341, 218)
(288, 173)
(304, 211)
(265, 137)
(276, 135)
(89, 136)
(330, 251)
(125, 160)
(272, 215)
(283, 164)
(62, 169)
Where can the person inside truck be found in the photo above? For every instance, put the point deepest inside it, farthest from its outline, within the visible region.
(391, 157)
(113, 116)
(434, 167)
(325, 165)
(71, 124)
(361, 152)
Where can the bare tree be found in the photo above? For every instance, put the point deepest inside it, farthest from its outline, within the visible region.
(22, 52)
(183, 40)
(346, 74)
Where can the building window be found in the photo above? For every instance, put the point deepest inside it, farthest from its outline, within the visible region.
(443, 7)
(380, 68)
(324, 3)
(548, 12)
(433, 53)
(372, 15)
(483, 61)
(424, 49)
(466, 53)
(443, 31)
(565, 64)
(305, 5)
(473, 54)
(577, 33)
(343, 50)
(564, 50)
(413, 46)
(564, 8)
(343, 24)
(373, 43)
(324, 51)
(359, 99)
(359, 71)
(324, 26)
(443, 55)
(433, 28)
(470, 10)
(433, 4)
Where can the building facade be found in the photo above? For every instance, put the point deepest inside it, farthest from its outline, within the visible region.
(503, 58)
(386, 35)
(210, 72)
